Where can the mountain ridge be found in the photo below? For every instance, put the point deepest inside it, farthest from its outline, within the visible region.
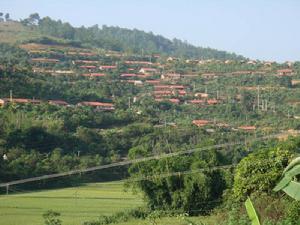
(115, 38)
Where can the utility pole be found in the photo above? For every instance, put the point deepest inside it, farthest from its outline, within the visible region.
(10, 95)
(7, 189)
(258, 98)
(129, 102)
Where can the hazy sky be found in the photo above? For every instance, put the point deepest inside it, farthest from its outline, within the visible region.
(259, 29)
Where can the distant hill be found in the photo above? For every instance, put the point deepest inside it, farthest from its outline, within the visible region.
(111, 38)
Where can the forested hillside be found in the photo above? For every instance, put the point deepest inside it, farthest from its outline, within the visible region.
(118, 39)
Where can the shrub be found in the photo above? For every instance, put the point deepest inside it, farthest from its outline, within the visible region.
(51, 218)
(259, 172)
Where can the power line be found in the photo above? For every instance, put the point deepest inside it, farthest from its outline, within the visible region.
(128, 162)
(179, 173)
(152, 177)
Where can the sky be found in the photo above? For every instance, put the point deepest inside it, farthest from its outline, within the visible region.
(258, 29)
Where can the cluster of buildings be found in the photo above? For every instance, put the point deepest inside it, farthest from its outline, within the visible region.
(153, 75)
(204, 123)
(98, 105)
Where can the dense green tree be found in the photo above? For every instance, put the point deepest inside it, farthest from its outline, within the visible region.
(260, 171)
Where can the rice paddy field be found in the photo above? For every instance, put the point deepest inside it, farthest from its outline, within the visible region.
(76, 205)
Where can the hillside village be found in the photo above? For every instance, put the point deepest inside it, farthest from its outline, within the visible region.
(198, 83)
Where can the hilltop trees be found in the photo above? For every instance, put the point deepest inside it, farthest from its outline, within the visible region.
(56, 28)
(7, 17)
(32, 20)
(121, 39)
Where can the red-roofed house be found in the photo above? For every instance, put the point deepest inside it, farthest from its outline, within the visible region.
(86, 61)
(98, 105)
(200, 123)
(20, 101)
(212, 101)
(107, 67)
(135, 82)
(46, 60)
(148, 70)
(161, 87)
(87, 54)
(58, 102)
(87, 67)
(138, 62)
(247, 128)
(196, 101)
(174, 100)
(285, 72)
(182, 92)
(170, 76)
(163, 93)
(201, 95)
(177, 87)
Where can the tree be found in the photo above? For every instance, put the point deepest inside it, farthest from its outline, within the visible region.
(259, 171)
(190, 193)
(247, 101)
(7, 17)
(33, 19)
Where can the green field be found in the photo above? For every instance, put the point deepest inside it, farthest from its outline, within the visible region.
(76, 205)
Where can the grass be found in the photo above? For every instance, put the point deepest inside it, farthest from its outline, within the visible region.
(76, 205)
(172, 221)
(12, 32)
